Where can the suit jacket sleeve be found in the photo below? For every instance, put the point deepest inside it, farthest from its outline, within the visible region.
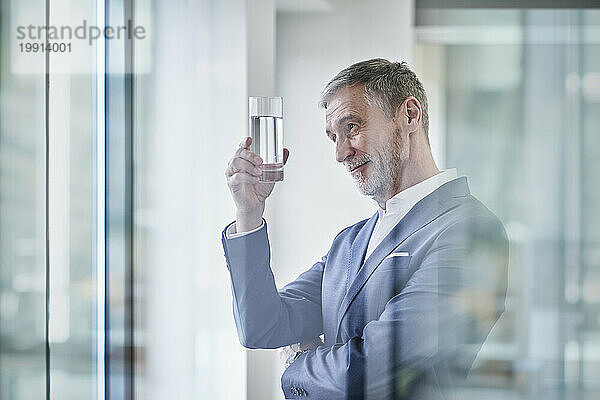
(265, 317)
(454, 296)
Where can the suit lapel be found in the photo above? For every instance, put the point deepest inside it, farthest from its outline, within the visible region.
(424, 212)
(359, 249)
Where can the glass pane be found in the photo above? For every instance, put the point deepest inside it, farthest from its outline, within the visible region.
(589, 92)
(521, 120)
(72, 181)
(190, 111)
(22, 208)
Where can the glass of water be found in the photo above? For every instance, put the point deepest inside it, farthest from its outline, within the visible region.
(266, 131)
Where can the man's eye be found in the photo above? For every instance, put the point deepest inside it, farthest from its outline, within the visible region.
(352, 126)
(332, 137)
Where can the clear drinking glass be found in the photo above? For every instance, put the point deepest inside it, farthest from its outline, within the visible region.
(266, 131)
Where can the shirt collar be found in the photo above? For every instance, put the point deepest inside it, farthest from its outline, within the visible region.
(406, 199)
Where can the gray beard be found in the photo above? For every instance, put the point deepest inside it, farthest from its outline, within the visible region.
(386, 169)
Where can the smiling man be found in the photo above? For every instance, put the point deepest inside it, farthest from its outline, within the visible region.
(403, 299)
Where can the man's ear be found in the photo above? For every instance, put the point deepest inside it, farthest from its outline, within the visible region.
(409, 114)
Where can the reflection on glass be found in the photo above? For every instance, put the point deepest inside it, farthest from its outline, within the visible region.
(521, 117)
(22, 232)
(23, 278)
(71, 181)
(186, 345)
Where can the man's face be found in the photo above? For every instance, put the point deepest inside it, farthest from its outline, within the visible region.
(368, 143)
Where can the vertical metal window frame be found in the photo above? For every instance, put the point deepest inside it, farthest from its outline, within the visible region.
(101, 325)
(119, 202)
(114, 97)
(114, 151)
(47, 196)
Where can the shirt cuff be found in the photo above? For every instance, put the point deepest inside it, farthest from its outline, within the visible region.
(231, 233)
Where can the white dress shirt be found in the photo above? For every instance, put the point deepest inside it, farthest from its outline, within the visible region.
(399, 205)
(232, 233)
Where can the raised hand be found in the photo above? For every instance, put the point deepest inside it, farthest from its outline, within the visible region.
(249, 194)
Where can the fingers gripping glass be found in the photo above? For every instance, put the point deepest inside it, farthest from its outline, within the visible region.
(266, 131)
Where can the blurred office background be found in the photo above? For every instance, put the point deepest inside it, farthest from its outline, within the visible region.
(514, 93)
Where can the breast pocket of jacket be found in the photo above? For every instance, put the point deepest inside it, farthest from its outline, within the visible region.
(391, 277)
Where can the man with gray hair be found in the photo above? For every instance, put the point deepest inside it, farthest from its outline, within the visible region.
(403, 299)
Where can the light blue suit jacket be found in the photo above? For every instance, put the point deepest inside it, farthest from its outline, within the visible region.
(407, 322)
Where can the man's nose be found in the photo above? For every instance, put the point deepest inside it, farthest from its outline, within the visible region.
(343, 150)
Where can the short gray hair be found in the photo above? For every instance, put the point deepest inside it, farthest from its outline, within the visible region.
(387, 84)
